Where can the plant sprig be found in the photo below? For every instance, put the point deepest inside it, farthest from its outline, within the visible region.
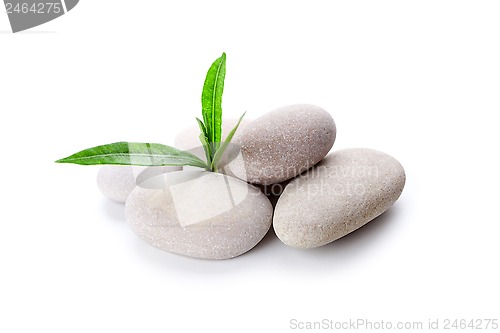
(133, 153)
(154, 154)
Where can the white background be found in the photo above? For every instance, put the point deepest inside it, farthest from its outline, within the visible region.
(419, 80)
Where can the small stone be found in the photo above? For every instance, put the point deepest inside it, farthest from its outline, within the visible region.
(117, 181)
(343, 192)
(282, 144)
(189, 138)
(199, 214)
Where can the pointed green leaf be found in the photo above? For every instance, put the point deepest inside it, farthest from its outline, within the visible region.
(203, 129)
(204, 141)
(211, 101)
(132, 153)
(206, 148)
(220, 152)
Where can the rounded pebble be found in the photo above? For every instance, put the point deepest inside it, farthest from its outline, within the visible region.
(117, 181)
(199, 214)
(282, 144)
(343, 192)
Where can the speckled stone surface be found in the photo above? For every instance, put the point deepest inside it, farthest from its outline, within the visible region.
(188, 138)
(343, 192)
(117, 181)
(283, 143)
(199, 214)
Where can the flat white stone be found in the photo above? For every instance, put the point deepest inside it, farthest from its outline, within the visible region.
(343, 192)
(282, 144)
(199, 214)
(117, 181)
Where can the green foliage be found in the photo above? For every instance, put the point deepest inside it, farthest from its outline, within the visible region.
(132, 153)
(154, 154)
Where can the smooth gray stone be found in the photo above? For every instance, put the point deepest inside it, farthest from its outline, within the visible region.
(343, 192)
(199, 214)
(282, 144)
(117, 181)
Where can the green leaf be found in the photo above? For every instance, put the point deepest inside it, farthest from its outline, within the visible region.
(220, 152)
(203, 129)
(204, 141)
(211, 102)
(132, 153)
(206, 148)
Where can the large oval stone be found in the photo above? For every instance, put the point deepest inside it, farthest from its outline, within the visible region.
(283, 143)
(117, 181)
(342, 193)
(199, 214)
